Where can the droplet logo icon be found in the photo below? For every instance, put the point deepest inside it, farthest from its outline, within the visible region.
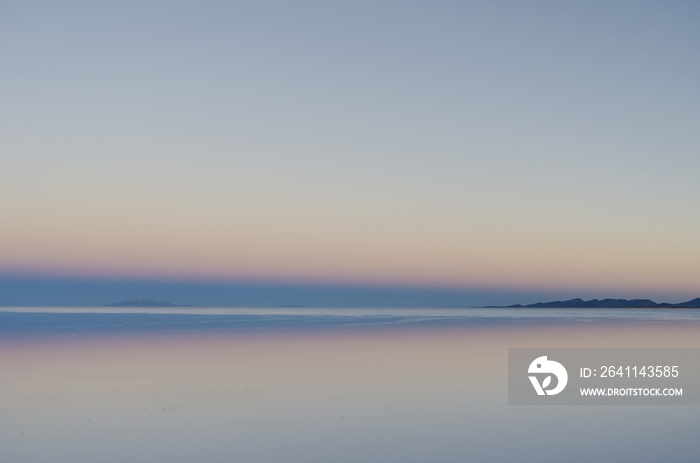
(542, 365)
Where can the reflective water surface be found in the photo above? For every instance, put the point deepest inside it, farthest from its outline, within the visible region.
(318, 385)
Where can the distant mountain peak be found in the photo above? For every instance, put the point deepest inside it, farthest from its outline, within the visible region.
(692, 303)
(144, 302)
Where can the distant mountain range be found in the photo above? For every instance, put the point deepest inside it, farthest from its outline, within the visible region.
(610, 304)
(143, 302)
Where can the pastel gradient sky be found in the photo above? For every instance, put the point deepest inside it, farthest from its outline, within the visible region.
(539, 146)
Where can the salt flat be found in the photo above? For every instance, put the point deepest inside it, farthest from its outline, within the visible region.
(312, 385)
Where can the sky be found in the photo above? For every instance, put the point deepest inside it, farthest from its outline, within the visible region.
(508, 149)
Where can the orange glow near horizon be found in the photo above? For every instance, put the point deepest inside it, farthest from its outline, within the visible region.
(339, 254)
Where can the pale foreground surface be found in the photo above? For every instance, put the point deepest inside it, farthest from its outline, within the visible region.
(314, 386)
